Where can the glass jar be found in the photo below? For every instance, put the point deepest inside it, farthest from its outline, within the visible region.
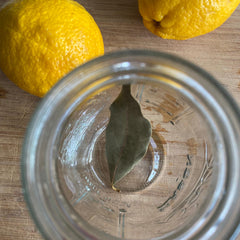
(187, 186)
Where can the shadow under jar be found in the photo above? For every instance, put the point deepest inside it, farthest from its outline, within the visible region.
(187, 186)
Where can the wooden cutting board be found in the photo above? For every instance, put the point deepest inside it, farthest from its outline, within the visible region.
(217, 52)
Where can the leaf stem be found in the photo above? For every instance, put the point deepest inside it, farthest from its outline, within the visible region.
(115, 189)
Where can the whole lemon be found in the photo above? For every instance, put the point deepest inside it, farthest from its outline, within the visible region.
(42, 40)
(183, 19)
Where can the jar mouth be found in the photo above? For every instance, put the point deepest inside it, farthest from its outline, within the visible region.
(52, 213)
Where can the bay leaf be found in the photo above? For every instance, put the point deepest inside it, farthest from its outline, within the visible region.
(127, 135)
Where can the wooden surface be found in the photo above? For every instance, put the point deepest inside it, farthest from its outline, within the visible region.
(218, 52)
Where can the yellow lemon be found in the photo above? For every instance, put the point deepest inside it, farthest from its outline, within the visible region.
(42, 40)
(183, 19)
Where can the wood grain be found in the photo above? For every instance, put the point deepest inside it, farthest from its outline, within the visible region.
(218, 52)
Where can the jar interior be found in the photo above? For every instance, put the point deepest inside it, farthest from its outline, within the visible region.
(167, 191)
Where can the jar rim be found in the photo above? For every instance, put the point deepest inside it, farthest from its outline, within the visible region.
(60, 90)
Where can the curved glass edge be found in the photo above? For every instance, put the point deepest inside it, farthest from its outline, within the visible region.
(25, 184)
